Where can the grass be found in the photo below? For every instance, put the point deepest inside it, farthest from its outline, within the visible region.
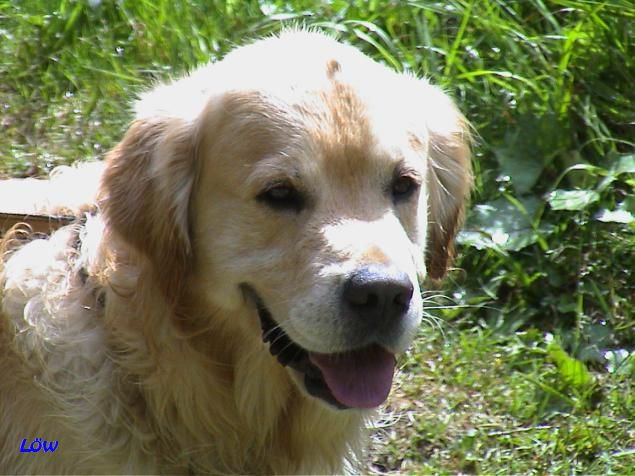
(476, 401)
(529, 366)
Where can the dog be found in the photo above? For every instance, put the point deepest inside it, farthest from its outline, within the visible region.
(237, 284)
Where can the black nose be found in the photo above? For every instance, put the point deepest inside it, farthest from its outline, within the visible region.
(378, 293)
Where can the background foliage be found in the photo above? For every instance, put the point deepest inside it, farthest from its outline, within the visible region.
(527, 365)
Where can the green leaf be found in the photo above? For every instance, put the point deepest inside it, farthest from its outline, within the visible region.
(523, 172)
(625, 165)
(572, 199)
(628, 204)
(572, 371)
(624, 213)
(36, 20)
(529, 147)
(615, 216)
(502, 225)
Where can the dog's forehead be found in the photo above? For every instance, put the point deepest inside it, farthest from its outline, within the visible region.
(335, 138)
(336, 130)
(317, 108)
(349, 135)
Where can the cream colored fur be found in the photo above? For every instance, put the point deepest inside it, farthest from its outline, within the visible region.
(128, 338)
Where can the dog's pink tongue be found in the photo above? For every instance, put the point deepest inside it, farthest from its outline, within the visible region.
(360, 378)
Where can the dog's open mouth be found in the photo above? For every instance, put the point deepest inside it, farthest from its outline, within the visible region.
(355, 379)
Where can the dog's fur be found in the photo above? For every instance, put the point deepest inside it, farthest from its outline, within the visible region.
(133, 338)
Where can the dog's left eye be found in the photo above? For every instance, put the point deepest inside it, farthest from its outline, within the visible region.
(403, 187)
(282, 197)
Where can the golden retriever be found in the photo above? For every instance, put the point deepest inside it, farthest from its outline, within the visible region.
(235, 301)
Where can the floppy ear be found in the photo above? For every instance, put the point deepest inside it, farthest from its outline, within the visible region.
(145, 194)
(449, 182)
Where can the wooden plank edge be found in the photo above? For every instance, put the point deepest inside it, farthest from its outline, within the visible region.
(36, 222)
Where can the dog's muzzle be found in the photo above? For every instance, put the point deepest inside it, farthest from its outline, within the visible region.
(358, 378)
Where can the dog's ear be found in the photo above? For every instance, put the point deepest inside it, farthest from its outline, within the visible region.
(449, 181)
(145, 194)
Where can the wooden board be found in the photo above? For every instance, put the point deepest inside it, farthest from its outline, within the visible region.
(38, 223)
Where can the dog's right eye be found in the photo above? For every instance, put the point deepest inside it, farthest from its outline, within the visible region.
(282, 197)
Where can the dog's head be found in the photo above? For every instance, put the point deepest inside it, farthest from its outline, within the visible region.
(304, 180)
